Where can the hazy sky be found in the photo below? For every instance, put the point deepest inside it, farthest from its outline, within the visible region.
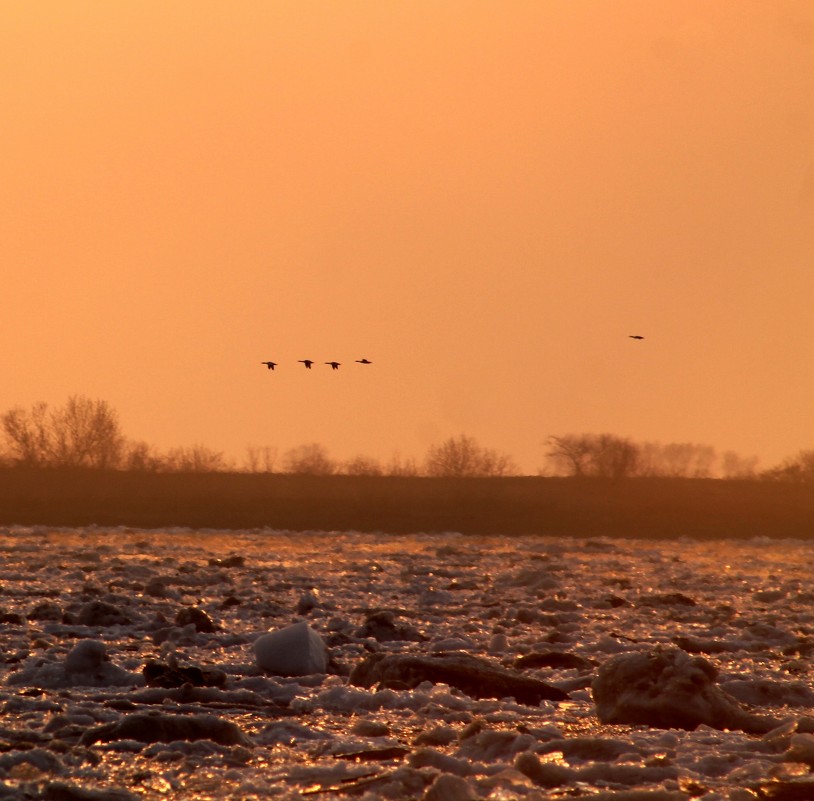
(483, 198)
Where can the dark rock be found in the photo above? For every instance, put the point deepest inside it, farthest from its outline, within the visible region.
(476, 677)
(156, 587)
(613, 602)
(45, 611)
(527, 615)
(543, 774)
(59, 791)
(779, 790)
(308, 601)
(699, 645)
(230, 561)
(161, 635)
(99, 613)
(375, 754)
(588, 749)
(197, 617)
(381, 625)
(553, 659)
(159, 674)
(667, 599)
(667, 688)
(156, 727)
(765, 692)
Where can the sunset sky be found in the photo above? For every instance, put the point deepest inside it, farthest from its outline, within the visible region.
(485, 199)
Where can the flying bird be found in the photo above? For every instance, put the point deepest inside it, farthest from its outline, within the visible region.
(334, 365)
(635, 336)
(270, 365)
(306, 362)
(364, 361)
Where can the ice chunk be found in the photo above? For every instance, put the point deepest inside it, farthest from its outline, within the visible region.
(476, 677)
(668, 688)
(450, 788)
(101, 613)
(86, 665)
(157, 727)
(288, 732)
(86, 656)
(764, 692)
(296, 650)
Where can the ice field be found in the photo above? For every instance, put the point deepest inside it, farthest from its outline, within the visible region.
(140, 665)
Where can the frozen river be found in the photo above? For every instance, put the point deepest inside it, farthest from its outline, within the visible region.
(84, 611)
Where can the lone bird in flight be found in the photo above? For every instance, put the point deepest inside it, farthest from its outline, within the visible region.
(635, 336)
(306, 362)
(270, 365)
(364, 361)
(334, 365)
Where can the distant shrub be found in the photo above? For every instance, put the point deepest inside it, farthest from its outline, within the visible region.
(676, 460)
(463, 457)
(733, 465)
(311, 459)
(140, 456)
(260, 459)
(798, 469)
(195, 459)
(362, 466)
(402, 467)
(610, 456)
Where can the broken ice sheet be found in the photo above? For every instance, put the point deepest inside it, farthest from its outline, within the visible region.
(498, 598)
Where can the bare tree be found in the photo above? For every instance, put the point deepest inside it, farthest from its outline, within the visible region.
(676, 460)
(401, 466)
(615, 457)
(260, 459)
(195, 459)
(733, 465)
(86, 433)
(311, 459)
(142, 457)
(25, 433)
(83, 433)
(462, 457)
(598, 455)
(798, 469)
(362, 466)
(571, 454)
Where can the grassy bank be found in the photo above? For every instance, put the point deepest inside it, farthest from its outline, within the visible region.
(525, 505)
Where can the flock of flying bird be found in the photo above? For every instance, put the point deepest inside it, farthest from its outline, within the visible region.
(309, 362)
(336, 365)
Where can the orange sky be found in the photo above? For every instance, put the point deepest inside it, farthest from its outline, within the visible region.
(483, 198)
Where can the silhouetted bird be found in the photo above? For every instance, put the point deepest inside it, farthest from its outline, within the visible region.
(306, 362)
(270, 365)
(334, 365)
(364, 361)
(635, 336)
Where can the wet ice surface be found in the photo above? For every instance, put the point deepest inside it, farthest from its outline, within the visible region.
(84, 610)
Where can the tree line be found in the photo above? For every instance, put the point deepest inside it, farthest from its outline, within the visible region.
(86, 433)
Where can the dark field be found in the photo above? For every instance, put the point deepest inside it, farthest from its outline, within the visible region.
(526, 505)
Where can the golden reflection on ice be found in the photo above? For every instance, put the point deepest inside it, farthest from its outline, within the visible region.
(472, 589)
(554, 758)
(160, 785)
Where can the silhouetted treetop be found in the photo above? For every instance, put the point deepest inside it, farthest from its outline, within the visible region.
(463, 457)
